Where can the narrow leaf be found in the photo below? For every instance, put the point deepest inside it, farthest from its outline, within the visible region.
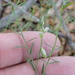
(67, 4)
(31, 39)
(32, 65)
(31, 48)
(19, 46)
(42, 69)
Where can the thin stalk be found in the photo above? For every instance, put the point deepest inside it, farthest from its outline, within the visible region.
(39, 51)
(36, 72)
(50, 55)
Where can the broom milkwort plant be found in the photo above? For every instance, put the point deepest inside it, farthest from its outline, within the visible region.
(42, 30)
(41, 51)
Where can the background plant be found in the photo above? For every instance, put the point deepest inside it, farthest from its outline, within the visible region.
(54, 16)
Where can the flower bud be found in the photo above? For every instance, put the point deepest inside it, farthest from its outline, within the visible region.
(43, 52)
(41, 34)
(46, 29)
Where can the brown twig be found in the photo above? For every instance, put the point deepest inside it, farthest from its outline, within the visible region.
(62, 36)
(11, 18)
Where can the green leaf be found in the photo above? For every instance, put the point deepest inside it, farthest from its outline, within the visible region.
(31, 39)
(30, 51)
(55, 61)
(67, 4)
(42, 69)
(19, 46)
(48, 45)
(28, 60)
(32, 65)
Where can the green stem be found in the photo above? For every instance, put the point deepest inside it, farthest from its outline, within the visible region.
(36, 72)
(39, 52)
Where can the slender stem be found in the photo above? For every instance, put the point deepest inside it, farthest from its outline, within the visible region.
(36, 72)
(50, 54)
(39, 51)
